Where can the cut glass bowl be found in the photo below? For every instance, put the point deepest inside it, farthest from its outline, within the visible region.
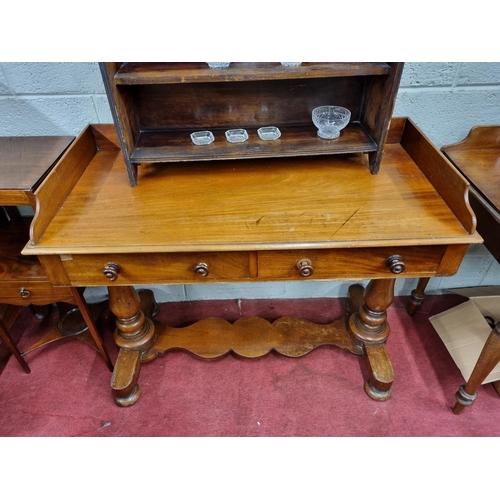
(330, 120)
(202, 138)
(269, 133)
(236, 135)
(218, 65)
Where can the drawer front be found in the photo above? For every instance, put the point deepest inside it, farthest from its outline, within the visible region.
(359, 263)
(125, 269)
(38, 293)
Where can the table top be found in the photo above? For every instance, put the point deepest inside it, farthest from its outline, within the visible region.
(24, 163)
(292, 203)
(478, 158)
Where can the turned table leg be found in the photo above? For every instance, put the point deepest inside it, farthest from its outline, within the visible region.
(134, 335)
(369, 329)
(417, 296)
(488, 359)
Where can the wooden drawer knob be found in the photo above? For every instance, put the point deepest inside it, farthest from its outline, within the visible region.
(305, 267)
(396, 264)
(111, 271)
(201, 268)
(24, 293)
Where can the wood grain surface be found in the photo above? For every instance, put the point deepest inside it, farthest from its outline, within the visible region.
(478, 158)
(24, 162)
(287, 203)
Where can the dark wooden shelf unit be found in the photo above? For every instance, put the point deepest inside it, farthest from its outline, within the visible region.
(156, 106)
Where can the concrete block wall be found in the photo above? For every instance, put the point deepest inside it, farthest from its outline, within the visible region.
(445, 99)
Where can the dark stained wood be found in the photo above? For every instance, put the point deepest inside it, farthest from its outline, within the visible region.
(488, 222)
(13, 265)
(243, 104)
(157, 105)
(122, 109)
(478, 158)
(7, 339)
(152, 147)
(23, 282)
(24, 163)
(488, 359)
(378, 104)
(8, 314)
(197, 72)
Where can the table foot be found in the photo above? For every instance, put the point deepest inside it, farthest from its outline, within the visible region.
(126, 391)
(417, 296)
(380, 372)
(463, 400)
(488, 359)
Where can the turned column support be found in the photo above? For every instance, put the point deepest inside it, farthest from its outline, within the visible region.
(369, 330)
(134, 335)
(488, 359)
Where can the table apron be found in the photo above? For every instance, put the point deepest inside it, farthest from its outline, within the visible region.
(276, 265)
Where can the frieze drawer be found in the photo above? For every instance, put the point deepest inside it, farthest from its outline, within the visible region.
(23, 293)
(344, 263)
(130, 269)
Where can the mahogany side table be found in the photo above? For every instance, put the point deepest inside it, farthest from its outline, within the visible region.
(258, 220)
(24, 164)
(478, 158)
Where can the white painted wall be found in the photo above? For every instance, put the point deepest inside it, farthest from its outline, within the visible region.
(444, 99)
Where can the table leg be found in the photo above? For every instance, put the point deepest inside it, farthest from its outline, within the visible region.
(369, 329)
(488, 359)
(77, 322)
(417, 296)
(5, 336)
(89, 321)
(134, 335)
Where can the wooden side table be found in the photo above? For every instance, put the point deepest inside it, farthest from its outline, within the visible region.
(259, 220)
(478, 158)
(24, 164)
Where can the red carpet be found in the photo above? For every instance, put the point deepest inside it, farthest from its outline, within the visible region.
(320, 394)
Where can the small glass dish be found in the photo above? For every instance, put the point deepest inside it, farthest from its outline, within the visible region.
(202, 138)
(291, 63)
(236, 135)
(330, 120)
(269, 133)
(218, 65)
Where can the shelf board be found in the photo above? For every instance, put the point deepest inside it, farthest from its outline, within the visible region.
(175, 145)
(165, 73)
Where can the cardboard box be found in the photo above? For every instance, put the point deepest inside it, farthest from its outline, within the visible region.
(464, 329)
